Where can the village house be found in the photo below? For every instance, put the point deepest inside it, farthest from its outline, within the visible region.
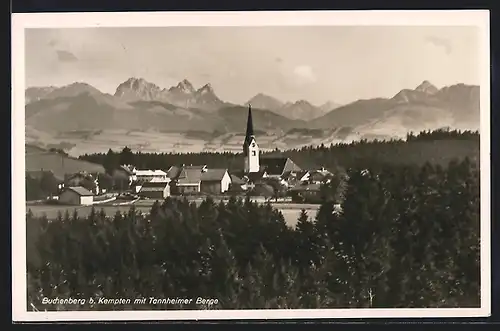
(124, 175)
(188, 180)
(155, 189)
(76, 195)
(83, 179)
(319, 176)
(143, 176)
(197, 179)
(293, 178)
(215, 181)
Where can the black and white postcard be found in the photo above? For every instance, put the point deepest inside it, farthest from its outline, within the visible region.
(250, 165)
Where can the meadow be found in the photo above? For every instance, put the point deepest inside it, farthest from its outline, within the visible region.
(291, 212)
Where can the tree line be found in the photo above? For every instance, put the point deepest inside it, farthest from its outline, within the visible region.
(437, 147)
(407, 236)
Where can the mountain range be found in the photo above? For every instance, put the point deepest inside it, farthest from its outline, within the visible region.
(298, 110)
(81, 114)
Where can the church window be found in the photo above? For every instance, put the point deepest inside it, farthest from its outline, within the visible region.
(253, 144)
(253, 153)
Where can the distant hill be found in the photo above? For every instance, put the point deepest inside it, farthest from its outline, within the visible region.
(263, 101)
(300, 109)
(235, 119)
(425, 107)
(37, 93)
(40, 159)
(329, 106)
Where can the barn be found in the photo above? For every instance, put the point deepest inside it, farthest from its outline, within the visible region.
(76, 195)
(215, 181)
(155, 190)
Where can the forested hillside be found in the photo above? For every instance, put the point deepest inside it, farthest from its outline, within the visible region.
(436, 147)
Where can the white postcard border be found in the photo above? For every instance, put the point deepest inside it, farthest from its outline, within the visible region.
(479, 18)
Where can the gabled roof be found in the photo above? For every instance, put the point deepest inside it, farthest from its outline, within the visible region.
(173, 172)
(237, 180)
(153, 186)
(189, 176)
(302, 173)
(273, 165)
(213, 175)
(81, 191)
(256, 176)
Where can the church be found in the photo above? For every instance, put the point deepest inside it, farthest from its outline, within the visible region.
(256, 167)
(259, 170)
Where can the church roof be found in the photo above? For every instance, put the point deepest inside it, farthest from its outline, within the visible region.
(273, 165)
(249, 135)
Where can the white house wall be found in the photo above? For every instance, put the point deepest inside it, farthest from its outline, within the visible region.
(225, 183)
(86, 200)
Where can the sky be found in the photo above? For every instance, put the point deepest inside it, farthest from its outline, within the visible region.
(318, 64)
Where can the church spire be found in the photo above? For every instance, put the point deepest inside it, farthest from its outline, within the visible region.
(250, 147)
(249, 134)
(249, 122)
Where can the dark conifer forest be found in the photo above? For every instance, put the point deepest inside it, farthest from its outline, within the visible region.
(407, 236)
(437, 147)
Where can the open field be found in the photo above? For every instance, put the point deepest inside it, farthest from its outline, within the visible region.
(99, 141)
(290, 211)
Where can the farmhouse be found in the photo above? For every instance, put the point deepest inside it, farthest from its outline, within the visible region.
(215, 181)
(155, 189)
(76, 195)
(83, 179)
(188, 180)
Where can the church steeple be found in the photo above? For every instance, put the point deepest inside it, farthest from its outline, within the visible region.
(250, 148)
(249, 135)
